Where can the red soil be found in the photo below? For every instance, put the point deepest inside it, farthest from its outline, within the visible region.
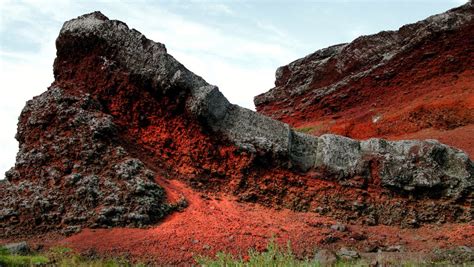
(441, 108)
(220, 223)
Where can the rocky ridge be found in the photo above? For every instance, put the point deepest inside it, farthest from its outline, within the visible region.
(123, 116)
(415, 79)
(329, 69)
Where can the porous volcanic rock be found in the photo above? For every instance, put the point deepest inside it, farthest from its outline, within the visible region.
(416, 82)
(71, 171)
(123, 116)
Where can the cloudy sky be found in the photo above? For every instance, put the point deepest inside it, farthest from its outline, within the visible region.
(236, 45)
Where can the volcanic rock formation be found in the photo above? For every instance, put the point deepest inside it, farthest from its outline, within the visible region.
(123, 116)
(416, 82)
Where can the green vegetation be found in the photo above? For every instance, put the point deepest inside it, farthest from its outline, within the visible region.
(277, 257)
(83, 262)
(61, 257)
(272, 256)
(18, 260)
(306, 130)
(316, 129)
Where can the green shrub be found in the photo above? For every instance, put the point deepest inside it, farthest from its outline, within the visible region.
(306, 130)
(78, 261)
(61, 257)
(3, 251)
(19, 260)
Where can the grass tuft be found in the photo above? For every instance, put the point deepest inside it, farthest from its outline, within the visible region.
(19, 260)
(60, 257)
(272, 256)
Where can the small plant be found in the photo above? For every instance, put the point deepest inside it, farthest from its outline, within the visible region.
(3, 251)
(78, 261)
(7, 259)
(317, 129)
(61, 257)
(272, 256)
(65, 257)
(306, 130)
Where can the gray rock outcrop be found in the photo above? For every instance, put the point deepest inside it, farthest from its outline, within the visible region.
(406, 166)
(329, 69)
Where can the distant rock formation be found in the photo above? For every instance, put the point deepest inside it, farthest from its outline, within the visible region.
(416, 82)
(123, 115)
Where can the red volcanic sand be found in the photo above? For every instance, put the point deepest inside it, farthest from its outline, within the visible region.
(219, 223)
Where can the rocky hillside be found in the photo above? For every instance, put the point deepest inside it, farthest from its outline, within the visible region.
(123, 118)
(416, 82)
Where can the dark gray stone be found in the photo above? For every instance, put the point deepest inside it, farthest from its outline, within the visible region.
(325, 257)
(347, 254)
(303, 149)
(339, 227)
(396, 248)
(20, 248)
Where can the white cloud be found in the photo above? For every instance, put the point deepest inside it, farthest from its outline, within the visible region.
(271, 28)
(218, 8)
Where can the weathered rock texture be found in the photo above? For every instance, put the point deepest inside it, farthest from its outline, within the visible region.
(122, 116)
(416, 82)
(71, 170)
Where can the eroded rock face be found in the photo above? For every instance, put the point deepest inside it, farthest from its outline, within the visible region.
(403, 165)
(123, 116)
(63, 177)
(329, 69)
(412, 83)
